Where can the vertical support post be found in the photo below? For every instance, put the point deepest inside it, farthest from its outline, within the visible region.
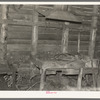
(34, 31)
(78, 48)
(93, 32)
(3, 49)
(4, 25)
(65, 35)
(64, 45)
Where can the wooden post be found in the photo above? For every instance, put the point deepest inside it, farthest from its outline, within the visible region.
(78, 48)
(93, 31)
(34, 31)
(65, 35)
(3, 35)
(4, 25)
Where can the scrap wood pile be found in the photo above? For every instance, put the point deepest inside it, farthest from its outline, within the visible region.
(28, 77)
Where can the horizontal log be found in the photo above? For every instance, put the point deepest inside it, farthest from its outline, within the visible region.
(74, 47)
(18, 53)
(80, 13)
(28, 30)
(49, 37)
(82, 33)
(18, 28)
(17, 16)
(27, 35)
(40, 6)
(50, 24)
(82, 8)
(30, 7)
(19, 22)
(26, 47)
(46, 47)
(75, 38)
(28, 23)
(24, 41)
(49, 42)
(76, 42)
(18, 41)
(19, 35)
(45, 36)
(46, 6)
(41, 47)
(20, 11)
(18, 47)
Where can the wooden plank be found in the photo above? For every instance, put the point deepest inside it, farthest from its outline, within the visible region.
(93, 32)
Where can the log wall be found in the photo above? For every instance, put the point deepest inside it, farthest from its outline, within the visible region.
(50, 32)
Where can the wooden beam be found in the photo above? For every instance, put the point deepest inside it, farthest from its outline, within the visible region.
(93, 32)
(34, 32)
